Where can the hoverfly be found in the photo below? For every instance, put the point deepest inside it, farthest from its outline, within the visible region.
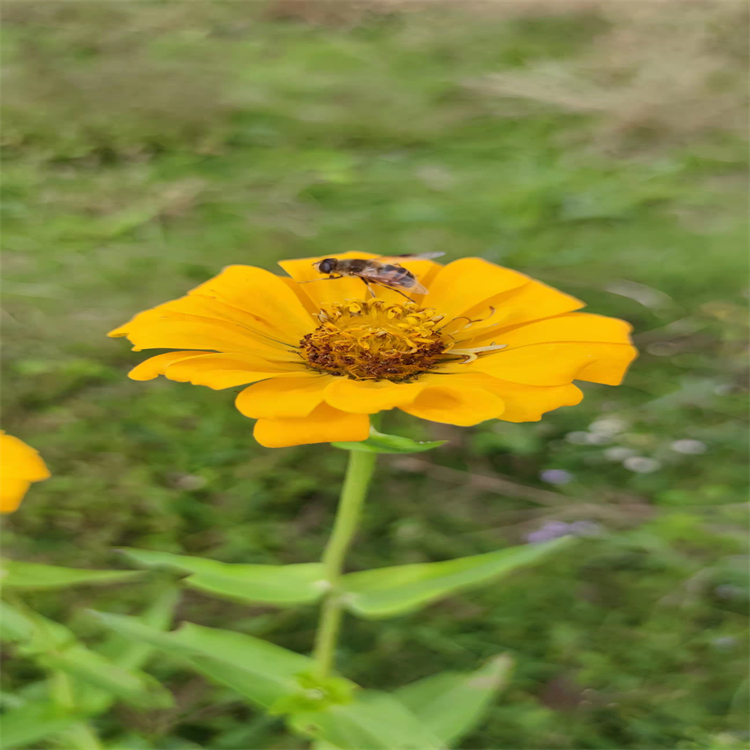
(388, 275)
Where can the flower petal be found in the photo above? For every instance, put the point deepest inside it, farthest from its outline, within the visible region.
(524, 304)
(467, 282)
(527, 403)
(575, 326)
(262, 294)
(559, 363)
(321, 291)
(12, 491)
(20, 465)
(163, 329)
(451, 399)
(18, 459)
(282, 398)
(555, 351)
(155, 366)
(370, 396)
(242, 309)
(301, 295)
(219, 371)
(324, 425)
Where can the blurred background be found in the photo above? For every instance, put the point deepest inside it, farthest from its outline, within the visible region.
(598, 145)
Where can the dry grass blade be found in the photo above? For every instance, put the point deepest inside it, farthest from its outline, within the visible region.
(661, 70)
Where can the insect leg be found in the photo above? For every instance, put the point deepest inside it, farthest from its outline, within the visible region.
(369, 288)
(327, 278)
(392, 288)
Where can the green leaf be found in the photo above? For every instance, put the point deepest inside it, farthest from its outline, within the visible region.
(136, 688)
(55, 647)
(380, 443)
(261, 671)
(268, 676)
(33, 722)
(403, 588)
(451, 704)
(14, 626)
(126, 653)
(281, 585)
(158, 615)
(376, 721)
(23, 575)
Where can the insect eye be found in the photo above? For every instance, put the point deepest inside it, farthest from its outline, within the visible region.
(326, 266)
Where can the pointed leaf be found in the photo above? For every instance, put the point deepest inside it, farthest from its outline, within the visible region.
(403, 588)
(376, 721)
(158, 615)
(23, 575)
(33, 722)
(261, 671)
(136, 688)
(281, 585)
(451, 704)
(14, 626)
(55, 647)
(267, 674)
(381, 443)
(127, 654)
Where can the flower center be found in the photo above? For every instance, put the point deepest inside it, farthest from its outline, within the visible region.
(370, 340)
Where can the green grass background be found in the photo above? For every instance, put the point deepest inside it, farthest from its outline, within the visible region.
(150, 144)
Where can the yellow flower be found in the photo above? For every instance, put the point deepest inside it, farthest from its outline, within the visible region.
(20, 465)
(485, 343)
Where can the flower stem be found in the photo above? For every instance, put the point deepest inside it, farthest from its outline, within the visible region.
(358, 474)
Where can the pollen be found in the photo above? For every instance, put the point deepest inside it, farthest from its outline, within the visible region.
(372, 340)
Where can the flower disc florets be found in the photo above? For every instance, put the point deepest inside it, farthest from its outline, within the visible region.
(372, 340)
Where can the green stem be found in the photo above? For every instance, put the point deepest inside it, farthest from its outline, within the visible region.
(358, 474)
(79, 736)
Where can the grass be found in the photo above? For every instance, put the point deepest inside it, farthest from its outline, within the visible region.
(150, 144)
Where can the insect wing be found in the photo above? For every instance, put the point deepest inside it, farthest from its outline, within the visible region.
(417, 256)
(397, 278)
(417, 288)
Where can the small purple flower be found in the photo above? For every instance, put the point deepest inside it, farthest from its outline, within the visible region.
(556, 476)
(548, 532)
(556, 529)
(585, 528)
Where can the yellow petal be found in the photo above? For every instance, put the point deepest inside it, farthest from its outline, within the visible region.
(369, 396)
(170, 330)
(155, 366)
(321, 291)
(569, 327)
(283, 397)
(452, 400)
(208, 308)
(20, 465)
(299, 292)
(324, 425)
(12, 491)
(17, 459)
(527, 403)
(559, 364)
(243, 308)
(555, 351)
(262, 294)
(466, 283)
(524, 304)
(219, 371)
